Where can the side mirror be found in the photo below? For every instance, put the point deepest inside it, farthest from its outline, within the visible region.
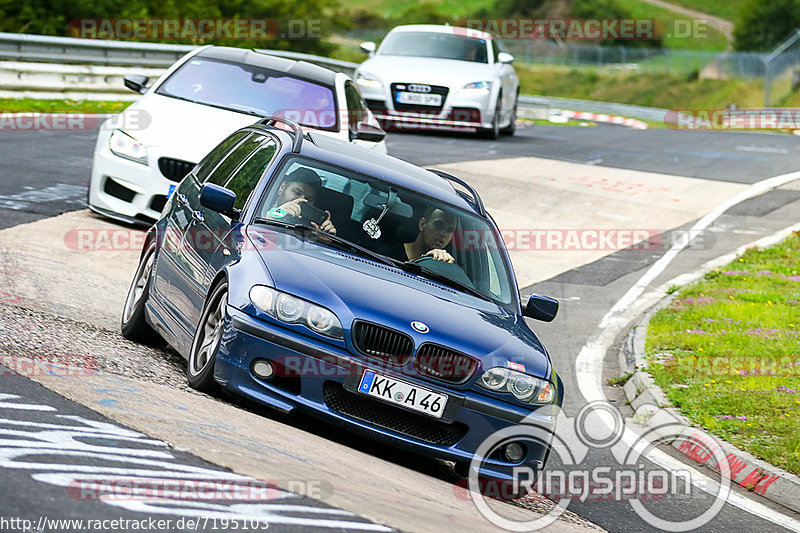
(136, 82)
(505, 57)
(541, 308)
(217, 198)
(368, 47)
(367, 132)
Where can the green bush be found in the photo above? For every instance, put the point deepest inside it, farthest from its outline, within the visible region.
(763, 25)
(51, 17)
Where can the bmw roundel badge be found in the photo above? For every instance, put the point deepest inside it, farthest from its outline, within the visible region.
(420, 326)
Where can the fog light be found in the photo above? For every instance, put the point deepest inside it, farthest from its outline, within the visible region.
(263, 369)
(514, 452)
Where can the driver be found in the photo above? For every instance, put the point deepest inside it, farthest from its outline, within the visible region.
(436, 229)
(301, 185)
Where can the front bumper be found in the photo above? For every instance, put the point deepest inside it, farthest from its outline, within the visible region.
(318, 378)
(459, 110)
(126, 190)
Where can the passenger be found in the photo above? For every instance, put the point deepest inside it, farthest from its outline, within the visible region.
(301, 185)
(436, 229)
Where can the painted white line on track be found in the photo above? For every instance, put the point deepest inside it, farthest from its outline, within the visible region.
(589, 362)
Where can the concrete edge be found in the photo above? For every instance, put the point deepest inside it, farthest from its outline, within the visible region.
(747, 471)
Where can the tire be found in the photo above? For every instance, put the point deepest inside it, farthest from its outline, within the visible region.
(512, 126)
(134, 325)
(207, 338)
(493, 132)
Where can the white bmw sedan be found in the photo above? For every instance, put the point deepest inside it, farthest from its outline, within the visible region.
(440, 77)
(142, 154)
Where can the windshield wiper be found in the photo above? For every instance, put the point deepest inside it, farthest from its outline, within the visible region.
(416, 268)
(330, 238)
(178, 97)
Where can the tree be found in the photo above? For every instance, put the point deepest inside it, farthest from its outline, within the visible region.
(764, 25)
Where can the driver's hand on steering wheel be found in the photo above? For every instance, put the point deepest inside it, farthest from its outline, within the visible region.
(327, 226)
(440, 255)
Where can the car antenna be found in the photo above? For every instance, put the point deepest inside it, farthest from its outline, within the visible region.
(297, 132)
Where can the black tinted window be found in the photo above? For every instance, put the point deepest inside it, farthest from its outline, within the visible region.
(223, 171)
(246, 178)
(355, 105)
(210, 161)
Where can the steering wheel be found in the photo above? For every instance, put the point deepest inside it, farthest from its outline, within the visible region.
(451, 270)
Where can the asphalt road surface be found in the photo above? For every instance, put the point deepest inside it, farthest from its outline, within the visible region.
(43, 174)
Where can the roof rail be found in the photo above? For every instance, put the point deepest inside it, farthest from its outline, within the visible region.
(297, 132)
(476, 199)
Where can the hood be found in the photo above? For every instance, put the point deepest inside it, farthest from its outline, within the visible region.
(183, 129)
(358, 288)
(433, 71)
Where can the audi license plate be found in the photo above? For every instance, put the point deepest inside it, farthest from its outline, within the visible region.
(405, 97)
(403, 394)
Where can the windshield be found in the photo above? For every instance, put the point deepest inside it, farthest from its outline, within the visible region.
(439, 45)
(253, 90)
(447, 243)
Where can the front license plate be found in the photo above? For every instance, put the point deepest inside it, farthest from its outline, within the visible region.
(404, 97)
(402, 394)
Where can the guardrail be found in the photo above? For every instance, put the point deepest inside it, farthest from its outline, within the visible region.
(40, 66)
(606, 108)
(68, 50)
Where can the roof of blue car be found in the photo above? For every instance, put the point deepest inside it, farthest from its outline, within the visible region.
(386, 167)
(367, 161)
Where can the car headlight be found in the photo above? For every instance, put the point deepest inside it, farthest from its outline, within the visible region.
(478, 88)
(368, 80)
(293, 310)
(524, 387)
(123, 145)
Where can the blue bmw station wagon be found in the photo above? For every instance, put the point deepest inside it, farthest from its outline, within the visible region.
(309, 274)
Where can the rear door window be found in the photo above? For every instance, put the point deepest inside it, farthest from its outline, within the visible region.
(246, 178)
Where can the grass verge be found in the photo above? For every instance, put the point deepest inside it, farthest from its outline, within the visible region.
(726, 9)
(667, 90)
(726, 351)
(19, 105)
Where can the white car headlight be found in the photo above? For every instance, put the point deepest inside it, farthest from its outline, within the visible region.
(368, 80)
(293, 310)
(478, 88)
(123, 145)
(524, 387)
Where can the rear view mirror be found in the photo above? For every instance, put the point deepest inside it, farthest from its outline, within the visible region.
(136, 82)
(398, 207)
(505, 57)
(217, 198)
(541, 308)
(368, 47)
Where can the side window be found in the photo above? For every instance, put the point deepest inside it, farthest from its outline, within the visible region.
(355, 105)
(246, 178)
(223, 171)
(210, 161)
